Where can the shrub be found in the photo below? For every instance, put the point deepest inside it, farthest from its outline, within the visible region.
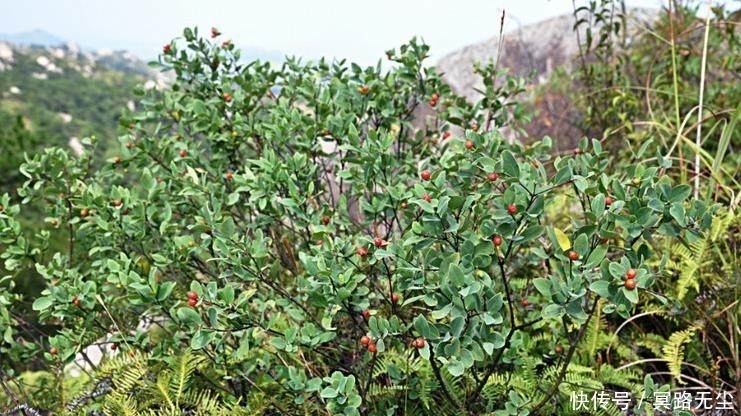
(272, 257)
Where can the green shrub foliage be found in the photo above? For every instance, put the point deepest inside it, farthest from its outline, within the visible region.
(472, 264)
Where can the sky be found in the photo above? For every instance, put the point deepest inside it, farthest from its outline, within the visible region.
(359, 31)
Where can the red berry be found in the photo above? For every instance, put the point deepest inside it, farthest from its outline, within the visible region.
(469, 144)
(361, 251)
(114, 347)
(512, 209)
(573, 255)
(227, 97)
(631, 274)
(426, 175)
(394, 297)
(577, 151)
(558, 349)
(76, 301)
(53, 351)
(229, 176)
(446, 134)
(167, 49)
(116, 160)
(418, 343)
(192, 302)
(525, 302)
(326, 220)
(372, 348)
(365, 340)
(497, 240)
(493, 176)
(608, 201)
(378, 242)
(427, 197)
(215, 32)
(630, 284)
(365, 313)
(129, 145)
(364, 89)
(53, 222)
(192, 295)
(319, 242)
(84, 212)
(117, 203)
(183, 153)
(433, 103)
(435, 96)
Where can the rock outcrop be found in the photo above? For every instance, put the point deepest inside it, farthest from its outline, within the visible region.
(532, 52)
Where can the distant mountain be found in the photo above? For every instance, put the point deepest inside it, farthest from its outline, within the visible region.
(56, 95)
(34, 37)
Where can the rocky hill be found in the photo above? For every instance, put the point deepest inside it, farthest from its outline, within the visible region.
(533, 52)
(55, 95)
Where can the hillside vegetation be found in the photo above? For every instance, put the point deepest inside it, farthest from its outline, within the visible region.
(294, 240)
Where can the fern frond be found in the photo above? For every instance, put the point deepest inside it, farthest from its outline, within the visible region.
(673, 351)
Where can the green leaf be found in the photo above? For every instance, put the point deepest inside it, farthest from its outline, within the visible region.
(596, 256)
(188, 316)
(509, 165)
(164, 290)
(42, 303)
(553, 311)
(631, 295)
(543, 286)
(456, 368)
(678, 213)
(601, 288)
(329, 393)
(680, 193)
(201, 339)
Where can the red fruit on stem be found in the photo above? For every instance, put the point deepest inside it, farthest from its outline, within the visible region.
(558, 349)
(53, 351)
(183, 153)
(326, 220)
(525, 303)
(512, 209)
(365, 340)
(630, 284)
(469, 145)
(192, 295)
(425, 175)
(492, 176)
(192, 302)
(446, 134)
(573, 255)
(497, 240)
(631, 274)
(427, 197)
(229, 176)
(577, 151)
(378, 242)
(361, 251)
(365, 313)
(608, 201)
(117, 203)
(418, 343)
(372, 348)
(215, 32)
(394, 297)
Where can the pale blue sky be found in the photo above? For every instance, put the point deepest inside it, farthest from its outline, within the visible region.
(360, 31)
